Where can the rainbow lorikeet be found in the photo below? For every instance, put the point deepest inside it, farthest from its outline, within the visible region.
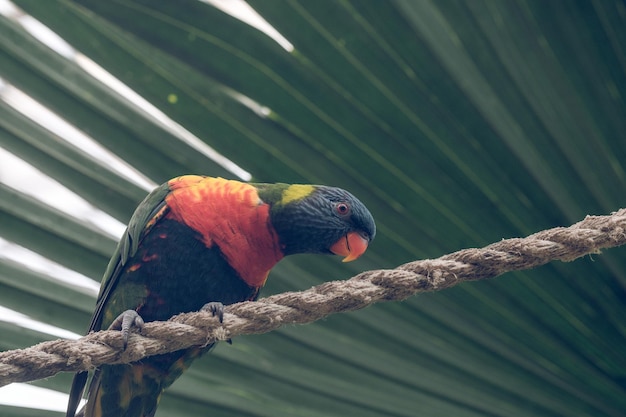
(200, 242)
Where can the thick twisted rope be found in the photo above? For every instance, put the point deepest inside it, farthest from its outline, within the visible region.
(200, 328)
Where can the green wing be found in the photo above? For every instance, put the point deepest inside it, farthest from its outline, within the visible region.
(136, 230)
(140, 223)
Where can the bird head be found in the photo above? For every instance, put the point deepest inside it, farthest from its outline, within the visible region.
(318, 219)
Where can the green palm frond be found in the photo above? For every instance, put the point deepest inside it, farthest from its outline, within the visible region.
(458, 123)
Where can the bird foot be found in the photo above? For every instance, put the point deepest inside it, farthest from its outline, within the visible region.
(217, 309)
(125, 321)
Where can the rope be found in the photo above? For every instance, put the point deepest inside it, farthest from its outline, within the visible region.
(200, 328)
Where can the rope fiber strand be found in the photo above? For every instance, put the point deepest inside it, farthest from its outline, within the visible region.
(196, 329)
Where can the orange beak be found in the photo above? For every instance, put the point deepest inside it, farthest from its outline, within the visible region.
(351, 246)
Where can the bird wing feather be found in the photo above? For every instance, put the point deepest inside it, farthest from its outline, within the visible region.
(147, 214)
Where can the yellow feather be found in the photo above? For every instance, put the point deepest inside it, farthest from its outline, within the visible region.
(296, 192)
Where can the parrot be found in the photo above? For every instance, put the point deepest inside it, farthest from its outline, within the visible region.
(200, 243)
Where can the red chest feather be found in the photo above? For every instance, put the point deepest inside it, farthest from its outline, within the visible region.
(231, 215)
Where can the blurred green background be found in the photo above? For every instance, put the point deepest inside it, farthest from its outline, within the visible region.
(458, 123)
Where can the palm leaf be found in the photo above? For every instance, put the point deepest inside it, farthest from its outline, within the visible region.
(458, 123)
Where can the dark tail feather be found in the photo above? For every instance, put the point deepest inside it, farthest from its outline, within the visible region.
(76, 393)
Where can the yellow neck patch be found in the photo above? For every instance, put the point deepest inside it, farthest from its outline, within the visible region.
(296, 192)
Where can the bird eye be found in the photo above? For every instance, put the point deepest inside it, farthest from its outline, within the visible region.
(342, 209)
